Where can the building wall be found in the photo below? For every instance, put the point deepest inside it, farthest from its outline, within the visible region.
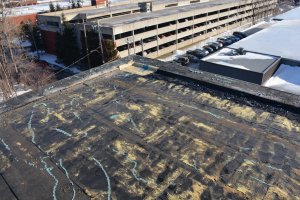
(98, 2)
(244, 75)
(163, 35)
(49, 39)
(184, 29)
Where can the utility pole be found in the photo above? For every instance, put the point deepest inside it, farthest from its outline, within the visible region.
(86, 45)
(100, 42)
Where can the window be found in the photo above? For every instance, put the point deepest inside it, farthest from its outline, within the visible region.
(56, 24)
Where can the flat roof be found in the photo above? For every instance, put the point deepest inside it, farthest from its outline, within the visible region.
(129, 19)
(128, 6)
(113, 134)
(280, 39)
(93, 10)
(111, 9)
(251, 61)
(293, 14)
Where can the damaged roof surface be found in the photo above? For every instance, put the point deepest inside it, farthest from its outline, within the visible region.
(123, 135)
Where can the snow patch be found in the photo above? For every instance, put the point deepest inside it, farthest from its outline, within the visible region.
(293, 14)
(42, 6)
(280, 39)
(20, 89)
(286, 78)
(224, 55)
(52, 60)
(231, 65)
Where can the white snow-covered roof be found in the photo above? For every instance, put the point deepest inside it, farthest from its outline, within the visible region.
(250, 61)
(280, 39)
(286, 79)
(293, 14)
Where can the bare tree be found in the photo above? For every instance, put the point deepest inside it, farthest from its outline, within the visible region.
(15, 66)
(8, 65)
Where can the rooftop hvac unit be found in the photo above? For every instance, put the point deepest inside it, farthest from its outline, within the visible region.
(146, 6)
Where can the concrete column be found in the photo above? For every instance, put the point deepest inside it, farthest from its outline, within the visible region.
(157, 48)
(206, 23)
(193, 26)
(113, 35)
(177, 32)
(133, 33)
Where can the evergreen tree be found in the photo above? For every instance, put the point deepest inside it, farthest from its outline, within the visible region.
(73, 4)
(92, 43)
(58, 7)
(67, 46)
(110, 51)
(59, 46)
(51, 7)
(71, 49)
(32, 33)
(79, 4)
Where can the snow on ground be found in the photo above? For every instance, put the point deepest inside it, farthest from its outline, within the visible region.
(280, 39)
(25, 44)
(43, 7)
(286, 78)
(293, 14)
(52, 60)
(22, 43)
(20, 89)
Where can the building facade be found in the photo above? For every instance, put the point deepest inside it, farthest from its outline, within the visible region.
(157, 28)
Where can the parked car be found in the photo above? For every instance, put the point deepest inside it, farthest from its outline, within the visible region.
(203, 50)
(219, 45)
(232, 38)
(198, 54)
(183, 60)
(213, 46)
(239, 36)
(226, 41)
(208, 48)
(192, 58)
(237, 33)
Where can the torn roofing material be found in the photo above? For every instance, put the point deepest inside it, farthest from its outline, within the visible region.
(119, 135)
